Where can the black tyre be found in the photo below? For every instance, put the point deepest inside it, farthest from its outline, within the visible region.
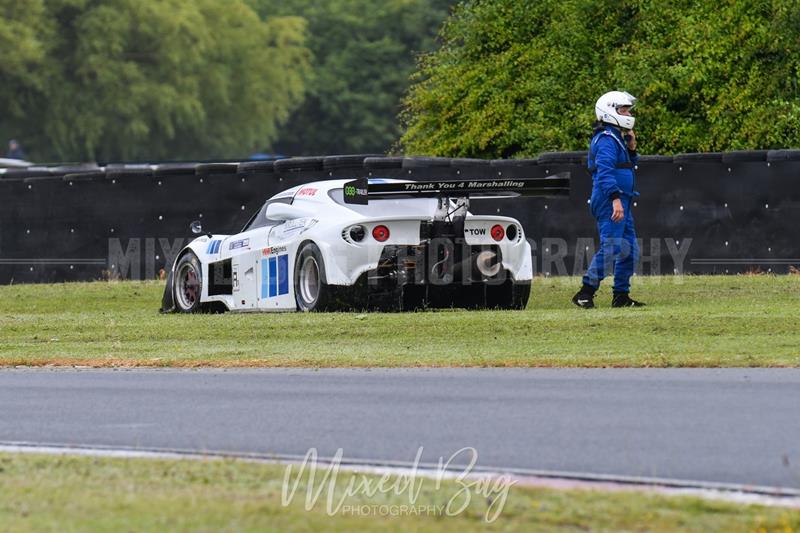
(129, 173)
(187, 285)
(412, 297)
(20, 173)
(256, 167)
(472, 296)
(508, 295)
(521, 295)
(702, 157)
(426, 162)
(783, 155)
(563, 158)
(744, 156)
(648, 159)
(352, 161)
(375, 163)
(215, 169)
(94, 175)
(174, 169)
(297, 164)
(409, 297)
(310, 290)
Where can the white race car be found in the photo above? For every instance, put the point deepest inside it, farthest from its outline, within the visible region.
(364, 244)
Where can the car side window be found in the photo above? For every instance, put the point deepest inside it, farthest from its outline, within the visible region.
(260, 220)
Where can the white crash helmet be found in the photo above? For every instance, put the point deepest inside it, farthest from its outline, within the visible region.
(607, 106)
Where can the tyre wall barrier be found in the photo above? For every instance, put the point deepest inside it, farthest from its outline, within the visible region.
(698, 213)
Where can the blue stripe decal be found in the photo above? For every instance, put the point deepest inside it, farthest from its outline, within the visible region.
(264, 280)
(213, 247)
(273, 276)
(283, 274)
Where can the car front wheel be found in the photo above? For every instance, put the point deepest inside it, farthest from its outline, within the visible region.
(188, 284)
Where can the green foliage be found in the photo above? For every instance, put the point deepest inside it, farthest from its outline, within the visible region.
(149, 79)
(364, 53)
(23, 55)
(518, 78)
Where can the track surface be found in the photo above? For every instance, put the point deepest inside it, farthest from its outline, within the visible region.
(726, 425)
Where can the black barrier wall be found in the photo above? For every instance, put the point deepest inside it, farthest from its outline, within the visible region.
(698, 213)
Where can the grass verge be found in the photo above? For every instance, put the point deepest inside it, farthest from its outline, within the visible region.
(66, 493)
(690, 321)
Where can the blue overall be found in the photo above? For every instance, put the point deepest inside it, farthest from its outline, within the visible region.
(611, 165)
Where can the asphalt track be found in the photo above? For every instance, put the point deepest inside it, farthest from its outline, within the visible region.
(733, 426)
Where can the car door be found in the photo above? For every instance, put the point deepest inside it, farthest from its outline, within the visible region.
(243, 250)
(246, 251)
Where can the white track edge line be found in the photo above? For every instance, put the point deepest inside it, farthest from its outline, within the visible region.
(738, 493)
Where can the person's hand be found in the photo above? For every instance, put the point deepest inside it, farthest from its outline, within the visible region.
(630, 138)
(618, 212)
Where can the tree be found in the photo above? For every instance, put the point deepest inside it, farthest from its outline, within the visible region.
(363, 55)
(23, 57)
(154, 79)
(517, 79)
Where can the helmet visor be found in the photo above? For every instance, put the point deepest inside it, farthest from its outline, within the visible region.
(628, 101)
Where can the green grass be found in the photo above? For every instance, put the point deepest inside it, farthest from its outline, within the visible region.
(64, 493)
(709, 321)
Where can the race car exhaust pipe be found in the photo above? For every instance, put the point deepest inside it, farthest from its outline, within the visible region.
(488, 263)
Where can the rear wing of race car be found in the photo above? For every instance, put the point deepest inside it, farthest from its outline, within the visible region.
(360, 191)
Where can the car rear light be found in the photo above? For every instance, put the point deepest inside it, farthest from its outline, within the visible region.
(498, 232)
(380, 233)
(511, 232)
(357, 233)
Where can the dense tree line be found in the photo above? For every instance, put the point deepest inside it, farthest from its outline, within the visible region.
(172, 79)
(147, 79)
(363, 53)
(515, 78)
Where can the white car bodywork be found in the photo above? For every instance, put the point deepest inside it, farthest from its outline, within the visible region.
(262, 258)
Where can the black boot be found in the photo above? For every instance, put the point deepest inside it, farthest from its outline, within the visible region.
(585, 297)
(621, 299)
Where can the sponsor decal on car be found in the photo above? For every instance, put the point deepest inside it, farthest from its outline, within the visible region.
(274, 276)
(213, 246)
(297, 224)
(307, 191)
(355, 192)
(271, 250)
(463, 185)
(243, 243)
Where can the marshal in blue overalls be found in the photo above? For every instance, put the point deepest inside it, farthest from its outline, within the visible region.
(612, 163)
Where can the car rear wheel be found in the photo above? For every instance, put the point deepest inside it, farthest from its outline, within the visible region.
(310, 290)
(508, 295)
(188, 284)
